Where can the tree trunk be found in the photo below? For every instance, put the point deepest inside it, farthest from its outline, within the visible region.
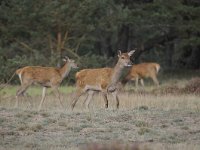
(58, 49)
(123, 38)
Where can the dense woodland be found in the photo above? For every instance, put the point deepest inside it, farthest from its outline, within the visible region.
(41, 32)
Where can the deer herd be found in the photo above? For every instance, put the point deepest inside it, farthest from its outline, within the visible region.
(103, 80)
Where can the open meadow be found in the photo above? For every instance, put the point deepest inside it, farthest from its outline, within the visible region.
(160, 118)
(55, 47)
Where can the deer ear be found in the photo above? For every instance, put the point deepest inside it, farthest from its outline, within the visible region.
(67, 58)
(64, 60)
(131, 52)
(119, 53)
(72, 60)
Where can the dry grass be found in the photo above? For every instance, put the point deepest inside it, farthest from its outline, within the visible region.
(127, 101)
(145, 121)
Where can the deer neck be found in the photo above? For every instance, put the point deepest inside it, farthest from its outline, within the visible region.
(117, 72)
(64, 71)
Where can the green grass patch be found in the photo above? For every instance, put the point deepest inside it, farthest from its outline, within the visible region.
(34, 90)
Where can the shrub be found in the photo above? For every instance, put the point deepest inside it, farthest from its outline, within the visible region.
(193, 86)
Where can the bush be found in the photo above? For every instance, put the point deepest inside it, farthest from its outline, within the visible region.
(193, 86)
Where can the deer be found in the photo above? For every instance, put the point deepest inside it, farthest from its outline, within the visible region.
(104, 80)
(142, 71)
(47, 77)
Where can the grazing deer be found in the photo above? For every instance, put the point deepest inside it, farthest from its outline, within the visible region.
(45, 76)
(141, 71)
(103, 80)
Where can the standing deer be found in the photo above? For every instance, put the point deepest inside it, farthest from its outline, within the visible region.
(45, 76)
(103, 80)
(141, 71)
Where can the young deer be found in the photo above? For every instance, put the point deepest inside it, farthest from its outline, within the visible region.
(141, 71)
(45, 76)
(103, 80)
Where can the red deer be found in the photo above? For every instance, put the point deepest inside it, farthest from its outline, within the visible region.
(45, 76)
(142, 71)
(103, 80)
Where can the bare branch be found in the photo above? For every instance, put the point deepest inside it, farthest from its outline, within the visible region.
(71, 52)
(64, 40)
(79, 43)
(25, 45)
(50, 43)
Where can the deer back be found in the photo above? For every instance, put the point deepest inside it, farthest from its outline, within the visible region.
(39, 74)
(100, 77)
(144, 69)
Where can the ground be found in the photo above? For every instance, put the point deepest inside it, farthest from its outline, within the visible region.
(150, 118)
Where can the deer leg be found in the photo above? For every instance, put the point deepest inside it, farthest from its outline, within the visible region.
(85, 98)
(76, 97)
(136, 82)
(28, 97)
(90, 95)
(25, 96)
(17, 102)
(155, 80)
(142, 82)
(20, 92)
(116, 98)
(57, 93)
(43, 98)
(105, 99)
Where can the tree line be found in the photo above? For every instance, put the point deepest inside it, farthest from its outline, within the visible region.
(91, 32)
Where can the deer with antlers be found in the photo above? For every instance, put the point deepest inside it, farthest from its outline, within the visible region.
(103, 80)
(142, 71)
(47, 77)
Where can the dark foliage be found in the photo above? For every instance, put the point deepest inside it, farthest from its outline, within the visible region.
(41, 32)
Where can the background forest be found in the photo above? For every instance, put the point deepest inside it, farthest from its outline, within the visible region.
(92, 31)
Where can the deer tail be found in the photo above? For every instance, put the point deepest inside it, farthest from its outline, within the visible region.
(18, 71)
(77, 75)
(157, 68)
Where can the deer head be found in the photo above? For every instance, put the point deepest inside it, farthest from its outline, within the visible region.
(124, 58)
(70, 62)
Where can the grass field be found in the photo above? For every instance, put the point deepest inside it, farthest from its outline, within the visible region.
(148, 118)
